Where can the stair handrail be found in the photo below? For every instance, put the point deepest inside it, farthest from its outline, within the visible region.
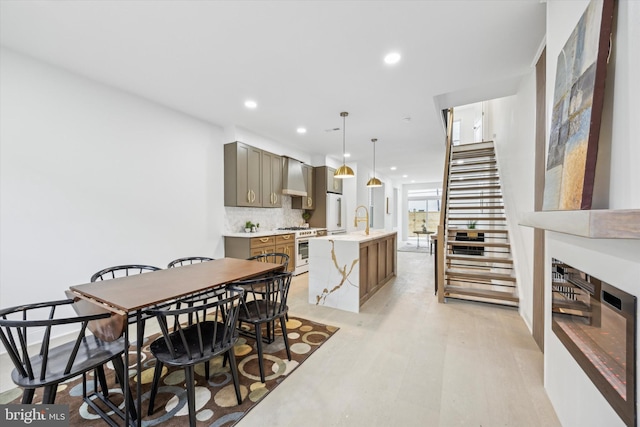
(442, 235)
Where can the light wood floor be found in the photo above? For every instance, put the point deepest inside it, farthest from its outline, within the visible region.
(406, 360)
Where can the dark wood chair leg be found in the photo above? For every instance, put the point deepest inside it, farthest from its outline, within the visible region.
(49, 395)
(234, 373)
(191, 394)
(206, 370)
(102, 379)
(27, 395)
(259, 345)
(283, 324)
(224, 360)
(118, 366)
(157, 371)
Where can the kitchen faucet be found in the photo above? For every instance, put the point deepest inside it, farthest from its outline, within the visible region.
(358, 219)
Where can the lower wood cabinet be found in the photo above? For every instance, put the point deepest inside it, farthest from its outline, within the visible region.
(377, 265)
(246, 247)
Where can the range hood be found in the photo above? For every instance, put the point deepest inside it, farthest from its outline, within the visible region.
(292, 178)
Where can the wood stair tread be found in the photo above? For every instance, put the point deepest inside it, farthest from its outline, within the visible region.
(487, 259)
(482, 293)
(475, 178)
(478, 196)
(473, 163)
(474, 187)
(480, 275)
(476, 207)
(477, 244)
(478, 152)
(477, 218)
(479, 230)
(474, 170)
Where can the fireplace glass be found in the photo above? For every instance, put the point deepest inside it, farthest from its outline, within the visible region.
(596, 322)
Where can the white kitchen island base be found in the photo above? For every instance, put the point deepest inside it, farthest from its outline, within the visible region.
(346, 270)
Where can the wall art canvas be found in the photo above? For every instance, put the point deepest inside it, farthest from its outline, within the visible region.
(577, 110)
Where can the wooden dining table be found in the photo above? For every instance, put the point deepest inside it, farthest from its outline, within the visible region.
(125, 296)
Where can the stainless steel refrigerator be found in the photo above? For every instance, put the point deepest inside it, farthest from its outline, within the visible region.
(336, 214)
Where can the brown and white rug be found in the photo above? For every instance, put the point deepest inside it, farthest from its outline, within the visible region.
(216, 403)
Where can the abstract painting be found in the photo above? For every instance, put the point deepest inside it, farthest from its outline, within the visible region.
(577, 110)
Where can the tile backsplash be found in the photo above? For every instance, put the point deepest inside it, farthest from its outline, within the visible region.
(268, 218)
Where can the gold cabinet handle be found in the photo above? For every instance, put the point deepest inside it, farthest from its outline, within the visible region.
(253, 196)
(249, 196)
(264, 239)
(286, 236)
(309, 201)
(275, 198)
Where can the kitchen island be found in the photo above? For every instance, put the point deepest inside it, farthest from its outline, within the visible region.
(346, 270)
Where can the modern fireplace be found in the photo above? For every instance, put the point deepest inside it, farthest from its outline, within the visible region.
(596, 322)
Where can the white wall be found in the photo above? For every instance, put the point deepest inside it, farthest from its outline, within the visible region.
(513, 131)
(92, 177)
(576, 401)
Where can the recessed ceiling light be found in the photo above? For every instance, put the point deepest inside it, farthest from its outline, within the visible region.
(413, 181)
(393, 168)
(347, 154)
(405, 176)
(301, 130)
(250, 104)
(392, 58)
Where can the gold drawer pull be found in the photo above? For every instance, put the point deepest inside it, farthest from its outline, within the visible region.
(286, 236)
(264, 239)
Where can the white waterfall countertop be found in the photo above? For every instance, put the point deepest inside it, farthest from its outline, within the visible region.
(358, 236)
(335, 268)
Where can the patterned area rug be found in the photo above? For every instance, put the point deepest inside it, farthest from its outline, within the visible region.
(216, 403)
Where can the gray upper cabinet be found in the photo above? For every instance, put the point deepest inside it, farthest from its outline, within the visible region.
(327, 182)
(334, 185)
(271, 180)
(305, 202)
(242, 175)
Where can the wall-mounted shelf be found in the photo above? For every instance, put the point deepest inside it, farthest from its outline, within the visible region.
(592, 224)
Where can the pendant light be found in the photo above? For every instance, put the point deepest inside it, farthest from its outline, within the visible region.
(374, 182)
(343, 171)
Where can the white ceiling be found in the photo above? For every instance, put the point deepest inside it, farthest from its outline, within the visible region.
(303, 62)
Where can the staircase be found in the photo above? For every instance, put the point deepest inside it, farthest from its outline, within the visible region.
(477, 254)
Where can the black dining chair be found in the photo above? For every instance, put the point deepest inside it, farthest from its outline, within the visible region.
(264, 302)
(124, 271)
(211, 332)
(39, 365)
(187, 300)
(274, 257)
(188, 261)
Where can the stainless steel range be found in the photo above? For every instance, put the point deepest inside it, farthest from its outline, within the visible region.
(301, 257)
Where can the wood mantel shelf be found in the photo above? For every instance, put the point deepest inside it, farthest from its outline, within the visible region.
(592, 224)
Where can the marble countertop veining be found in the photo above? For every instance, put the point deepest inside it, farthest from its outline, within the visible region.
(358, 236)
